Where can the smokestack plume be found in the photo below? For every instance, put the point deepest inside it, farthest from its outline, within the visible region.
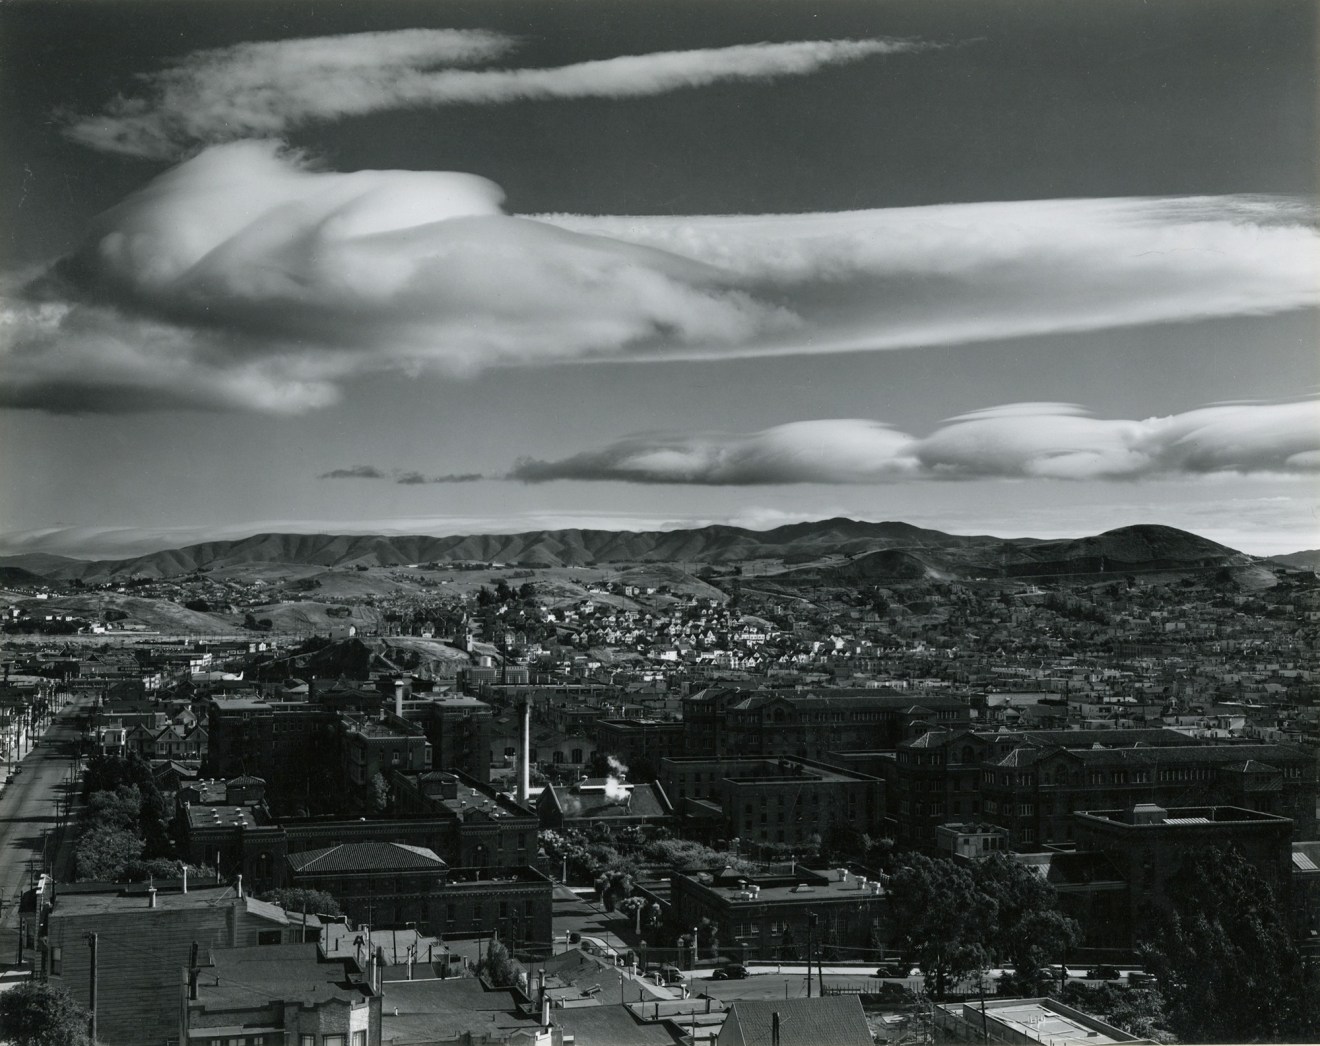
(524, 750)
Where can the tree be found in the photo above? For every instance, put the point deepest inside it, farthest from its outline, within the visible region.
(378, 796)
(37, 1013)
(1227, 967)
(300, 899)
(103, 852)
(942, 917)
(1028, 928)
(613, 887)
(498, 967)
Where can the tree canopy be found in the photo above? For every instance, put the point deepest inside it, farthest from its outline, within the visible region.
(498, 967)
(299, 899)
(1227, 966)
(37, 1013)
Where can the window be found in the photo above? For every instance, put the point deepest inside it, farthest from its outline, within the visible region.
(359, 1038)
(268, 937)
(306, 1040)
(332, 1040)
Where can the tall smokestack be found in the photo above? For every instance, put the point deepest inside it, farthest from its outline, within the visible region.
(398, 697)
(524, 750)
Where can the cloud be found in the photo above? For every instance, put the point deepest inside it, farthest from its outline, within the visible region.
(406, 477)
(356, 472)
(246, 279)
(833, 451)
(1018, 441)
(268, 89)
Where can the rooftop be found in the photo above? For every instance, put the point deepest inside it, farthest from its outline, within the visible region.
(365, 857)
(290, 972)
(1047, 1021)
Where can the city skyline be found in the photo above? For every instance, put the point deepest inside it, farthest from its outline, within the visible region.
(495, 267)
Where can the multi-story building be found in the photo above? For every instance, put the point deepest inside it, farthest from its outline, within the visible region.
(755, 799)
(391, 884)
(810, 724)
(143, 937)
(771, 917)
(1150, 845)
(640, 743)
(227, 825)
(1032, 781)
(1034, 790)
(377, 746)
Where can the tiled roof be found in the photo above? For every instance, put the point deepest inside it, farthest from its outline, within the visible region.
(365, 857)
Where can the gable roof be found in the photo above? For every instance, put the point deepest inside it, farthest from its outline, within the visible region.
(834, 1019)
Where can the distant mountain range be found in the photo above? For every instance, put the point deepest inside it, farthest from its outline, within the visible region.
(840, 546)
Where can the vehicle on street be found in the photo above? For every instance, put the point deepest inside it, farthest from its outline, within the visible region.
(1103, 973)
(670, 975)
(734, 971)
(891, 971)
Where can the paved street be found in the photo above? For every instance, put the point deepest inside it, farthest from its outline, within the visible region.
(28, 818)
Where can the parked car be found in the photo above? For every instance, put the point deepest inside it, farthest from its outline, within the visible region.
(1103, 973)
(670, 975)
(734, 971)
(889, 970)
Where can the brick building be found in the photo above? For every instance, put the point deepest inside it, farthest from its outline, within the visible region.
(768, 917)
(1149, 845)
(757, 799)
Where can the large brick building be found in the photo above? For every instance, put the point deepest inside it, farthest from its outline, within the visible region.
(763, 800)
(1032, 782)
(810, 724)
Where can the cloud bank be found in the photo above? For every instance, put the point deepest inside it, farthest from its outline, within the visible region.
(269, 89)
(246, 279)
(1018, 441)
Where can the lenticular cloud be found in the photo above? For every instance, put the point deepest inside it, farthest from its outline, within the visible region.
(244, 278)
(268, 89)
(1017, 441)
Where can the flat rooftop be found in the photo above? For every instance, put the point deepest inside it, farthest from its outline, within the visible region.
(1048, 1021)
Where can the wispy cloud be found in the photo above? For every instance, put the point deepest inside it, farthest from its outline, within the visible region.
(268, 89)
(1019, 441)
(243, 279)
(406, 477)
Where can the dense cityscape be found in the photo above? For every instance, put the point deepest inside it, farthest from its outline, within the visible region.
(661, 802)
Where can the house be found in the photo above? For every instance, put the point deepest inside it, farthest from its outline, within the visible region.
(144, 935)
(834, 1019)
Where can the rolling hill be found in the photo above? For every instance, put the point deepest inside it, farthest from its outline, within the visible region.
(875, 551)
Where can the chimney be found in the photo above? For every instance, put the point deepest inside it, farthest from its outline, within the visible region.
(524, 750)
(240, 885)
(192, 972)
(151, 897)
(185, 878)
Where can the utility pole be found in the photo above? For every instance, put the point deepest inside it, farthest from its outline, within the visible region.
(811, 947)
(91, 1004)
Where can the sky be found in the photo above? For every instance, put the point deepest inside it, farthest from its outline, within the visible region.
(1021, 268)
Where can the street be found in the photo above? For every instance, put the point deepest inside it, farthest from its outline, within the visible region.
(28, 815)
